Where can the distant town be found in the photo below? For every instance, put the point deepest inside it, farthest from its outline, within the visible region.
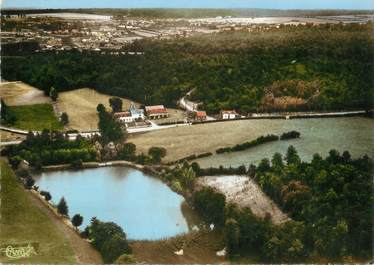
(104, 33)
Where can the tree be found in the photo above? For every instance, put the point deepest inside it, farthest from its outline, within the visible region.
(188, 177)
(7, 115)
(277, 162)
(64, 118)
(157, 153)
(53, 93)
(77, 220)
(62, 207)
(211, 205)
(116, 104)
(109, 239)
(264, 166)
(292, 157)
(128, 152)
(29, 182)
(100, 108)
(232, 234)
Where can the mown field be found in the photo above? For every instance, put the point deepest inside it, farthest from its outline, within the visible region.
(19, 93)
(36, 117)
(195, 139)
(23, 222)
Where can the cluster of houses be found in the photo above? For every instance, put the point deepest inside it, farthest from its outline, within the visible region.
(138, 115)
(135, 114)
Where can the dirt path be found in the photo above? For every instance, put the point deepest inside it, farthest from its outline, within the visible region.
(84, 252)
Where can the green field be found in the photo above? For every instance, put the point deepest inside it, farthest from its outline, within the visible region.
(23, 222)
(36, 117)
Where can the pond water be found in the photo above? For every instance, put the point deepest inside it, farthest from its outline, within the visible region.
(319, 135)
(142, 205)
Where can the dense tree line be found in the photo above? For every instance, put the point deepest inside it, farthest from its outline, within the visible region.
(290, 68)
(48, 148)
(329, 201)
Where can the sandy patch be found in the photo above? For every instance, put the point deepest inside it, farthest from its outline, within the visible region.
(246, 193)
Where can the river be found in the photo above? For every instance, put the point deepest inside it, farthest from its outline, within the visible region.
(318, 135)
(145, 207)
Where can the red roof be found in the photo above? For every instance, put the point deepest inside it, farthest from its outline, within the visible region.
(229, 112)
(200, 114)
(121, 114)
(156, 111)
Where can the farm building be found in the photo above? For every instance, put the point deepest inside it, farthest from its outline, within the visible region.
(229, 114)
(156, 112)
(124, 116)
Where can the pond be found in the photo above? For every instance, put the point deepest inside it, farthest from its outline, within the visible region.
(318, 135)
(145, 207)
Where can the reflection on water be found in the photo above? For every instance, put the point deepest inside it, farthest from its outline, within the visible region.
(142, 205)
(354, 134)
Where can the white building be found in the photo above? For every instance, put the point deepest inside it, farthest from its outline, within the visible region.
(229, 114)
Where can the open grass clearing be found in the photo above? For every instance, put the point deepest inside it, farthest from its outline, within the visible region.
(36, 117)
(18, 93)
(195, 139)
(244, 192)
(23, 222)
(80, 105)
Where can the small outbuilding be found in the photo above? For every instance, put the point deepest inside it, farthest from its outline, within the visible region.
(229, 114)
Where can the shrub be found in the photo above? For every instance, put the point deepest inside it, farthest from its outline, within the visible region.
(47, 196)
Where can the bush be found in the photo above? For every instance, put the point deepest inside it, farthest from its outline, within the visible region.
(29, 182)
(77, 164)
(156, 154)
(290, 135)
(247, 145)
(211, 205)
(125, 259)
(47, 196)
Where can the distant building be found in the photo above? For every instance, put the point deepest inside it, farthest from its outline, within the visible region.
(200, 115)
(156, 112)
(229, 114)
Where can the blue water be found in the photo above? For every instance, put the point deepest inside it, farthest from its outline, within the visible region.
(142, 205)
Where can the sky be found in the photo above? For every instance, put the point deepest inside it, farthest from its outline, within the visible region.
(271, 4)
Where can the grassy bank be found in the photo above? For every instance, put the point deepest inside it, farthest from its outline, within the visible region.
(36, 117)
(23, 222)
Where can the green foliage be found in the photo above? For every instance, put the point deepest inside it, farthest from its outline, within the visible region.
(232, 235)
(211, 205)
(52, 148)
(77, 220)
(62, 207)
(116, 104)
(247, 145)
(110, 129)
(64, 118)
(109, 239)
(35, 117)
(53, 93)
(128, 152)
(7, 115)
(156, 154)
(230, 70)
(332, 198)
(47, 196)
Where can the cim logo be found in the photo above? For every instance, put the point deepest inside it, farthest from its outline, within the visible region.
(17, 251)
